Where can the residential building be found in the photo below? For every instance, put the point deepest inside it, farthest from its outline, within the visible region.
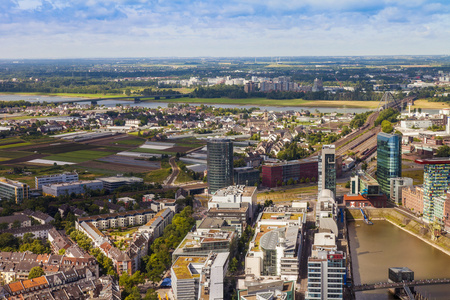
(412, 198)
(389, 160)
(55, 178)
(326, 269)
(219, 164)
(121, 219)
(11, 189)
(39, 216)
(155, 227)
(19, 219)
(436, 181)
(68, 188)
(199, 277)
(275, 174)
(327, 168)
(396, 185)
(235, 197)
(114, 182)
(246, 176)
(39, 231)
(162, 204)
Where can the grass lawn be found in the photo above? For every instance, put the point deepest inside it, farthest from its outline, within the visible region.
(124, 233)
(13, 154)
(288, 194)
(425, 104)
(157, 175)
(182, 176)
(131, 142)
(256, 102)
(416, 175)
(79, 156)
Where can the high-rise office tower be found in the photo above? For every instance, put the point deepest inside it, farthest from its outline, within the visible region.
(327, 168)
(389, 160)
(436, 180)
(219, 164)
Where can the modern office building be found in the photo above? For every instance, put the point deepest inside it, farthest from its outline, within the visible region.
(273, 289)
(237, 198)
(275, 248)
(436, 181)
(246, 176)
(55, 178)
(219, 164)
(326, 269)
(389, 160)
(327, 168)
(11, 189)
(199, 277)
(114, 182)
(396, 185)
(68, 188)
(275, 174)
(364, 184)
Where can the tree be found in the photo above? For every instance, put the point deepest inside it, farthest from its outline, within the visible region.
(364, 166)
(386, 126)
(443, 151)
(36, 272)
(134, 295)
(151, 295)
(233, 265)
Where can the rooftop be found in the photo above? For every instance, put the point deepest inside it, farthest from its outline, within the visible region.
(184, 268)
(238, 190)
(433, 161)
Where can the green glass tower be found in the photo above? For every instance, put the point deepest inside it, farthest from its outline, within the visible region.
(389, 160)
(219, 164)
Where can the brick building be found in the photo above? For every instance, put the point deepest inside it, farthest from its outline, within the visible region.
(278, 173)
(412, 198)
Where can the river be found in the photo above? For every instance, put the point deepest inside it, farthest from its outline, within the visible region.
(113, 103)
(375, 248)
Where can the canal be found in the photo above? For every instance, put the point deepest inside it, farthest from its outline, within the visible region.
(375, 248)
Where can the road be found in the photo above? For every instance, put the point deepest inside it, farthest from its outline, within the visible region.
(175, 171)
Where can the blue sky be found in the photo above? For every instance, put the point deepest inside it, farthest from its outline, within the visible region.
(182, 28)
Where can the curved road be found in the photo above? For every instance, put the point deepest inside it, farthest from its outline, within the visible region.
(175, 171)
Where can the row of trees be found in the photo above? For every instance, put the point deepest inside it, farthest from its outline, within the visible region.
(10, 243)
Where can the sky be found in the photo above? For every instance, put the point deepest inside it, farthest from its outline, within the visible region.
(219, 28)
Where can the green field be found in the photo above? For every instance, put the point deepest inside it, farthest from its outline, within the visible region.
(10, 140)
(131, 142)
(79, 156)
(15, 145)
(157, 175)
(13, 154)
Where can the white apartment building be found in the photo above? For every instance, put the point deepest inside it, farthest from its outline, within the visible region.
(121, 219)
(326, 269)
(55, 178)
(276, 246)
(76, 187)
(409, 124)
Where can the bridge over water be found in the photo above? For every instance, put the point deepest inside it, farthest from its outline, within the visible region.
(392, 285)
(137, 99)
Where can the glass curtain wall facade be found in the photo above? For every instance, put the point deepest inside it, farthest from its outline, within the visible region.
(219, 164)
(327, 168)
(389, 160)
(436, 180)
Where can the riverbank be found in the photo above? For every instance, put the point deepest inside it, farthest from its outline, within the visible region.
(425, 104)
(403, 222)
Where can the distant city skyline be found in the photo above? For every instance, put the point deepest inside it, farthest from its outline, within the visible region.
(249, 28)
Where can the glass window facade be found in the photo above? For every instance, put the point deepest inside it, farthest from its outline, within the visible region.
(389, 160)
(327, 168)
(436, 180)
(219, 164)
